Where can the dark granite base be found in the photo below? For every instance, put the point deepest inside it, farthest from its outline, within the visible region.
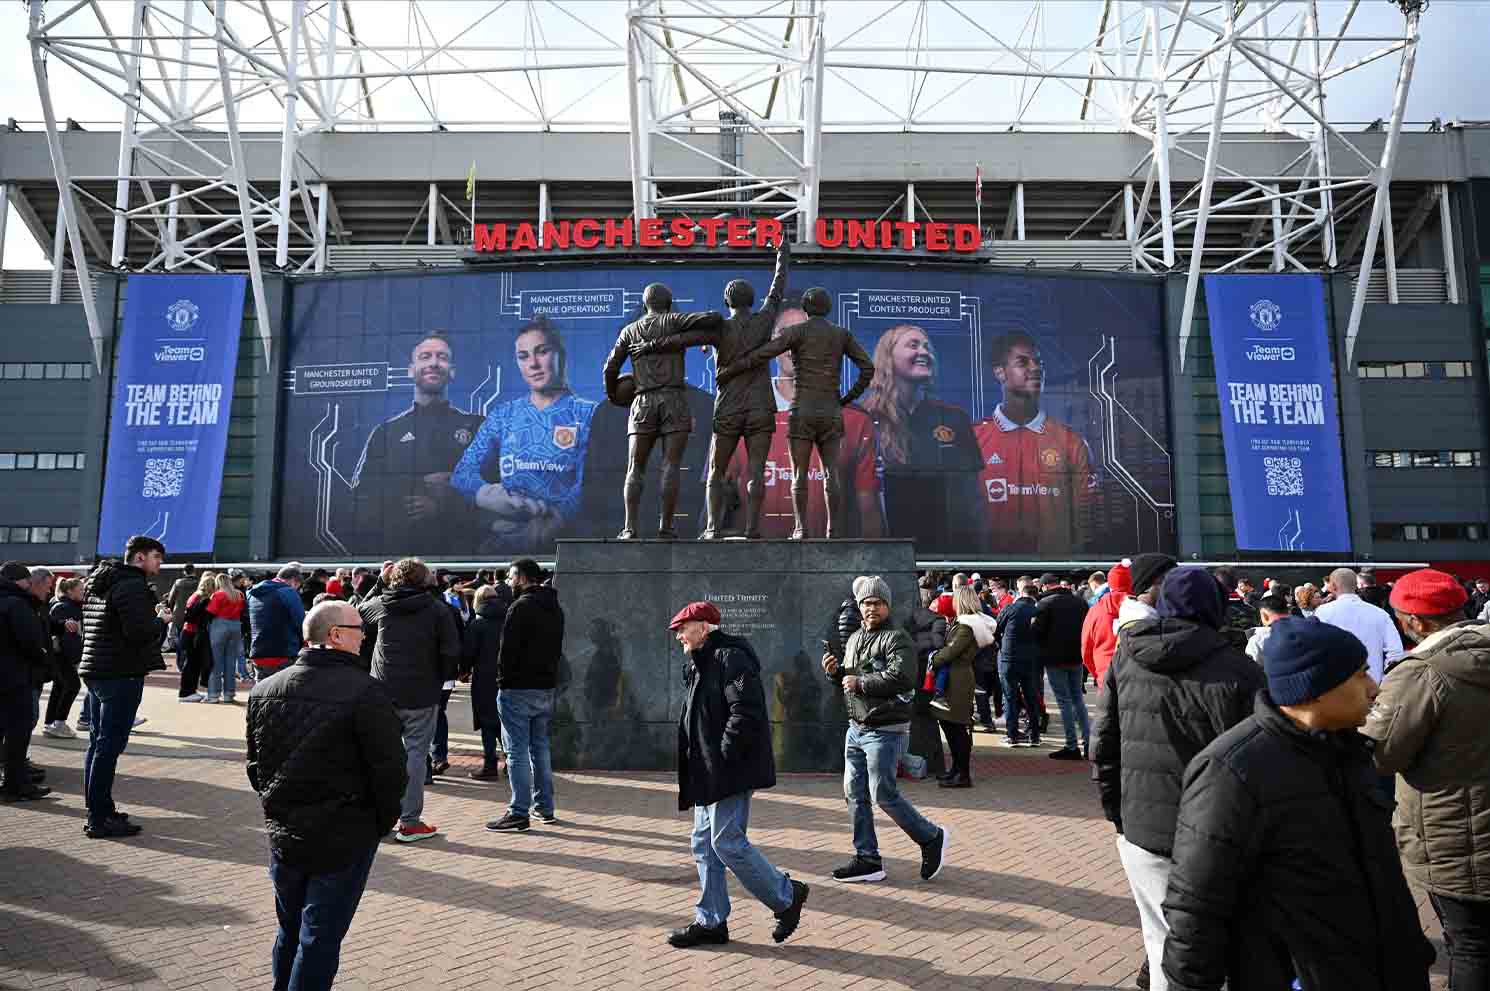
(623, 688)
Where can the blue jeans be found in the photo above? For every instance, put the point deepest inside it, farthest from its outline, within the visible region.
(870, 757)
(227, 652)
(1066, 683)
(418, 730)
(719, 841)
(525, 714)
(315, 911)
(112, 704)
(1019, 693)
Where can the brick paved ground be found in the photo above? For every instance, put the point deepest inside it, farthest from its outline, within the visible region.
(1034, 897)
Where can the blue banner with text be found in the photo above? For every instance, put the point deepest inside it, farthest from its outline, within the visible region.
(168, 424)
(1279, 420)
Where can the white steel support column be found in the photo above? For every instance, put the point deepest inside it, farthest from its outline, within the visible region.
(1130, 223)
(59, 253)
(323, 197)
(1019, 211)
(4, 216)
(1383, 182)
(1445, 223)
(909, 212)
(64, 184)
(813, 68)
(1278, 250)
(1389, 251)
(127, 136)
(543, 205)
(240, 183)
(1321, 140)
(1207, 184)
(639, 92)
(431, 210)
(287, 139)
(1161, 137)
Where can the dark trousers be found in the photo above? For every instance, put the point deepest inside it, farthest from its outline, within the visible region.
(491, 738)
(315, 911)
(987, 685)
(15, 728)
(112, 704)
(960, 742)
(440, 749)
(1020, 694)
(65, 688)
(189, 663)
(1466, 933)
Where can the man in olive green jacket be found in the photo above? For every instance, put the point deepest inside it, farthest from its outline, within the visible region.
(877, 676)
(1429, 726)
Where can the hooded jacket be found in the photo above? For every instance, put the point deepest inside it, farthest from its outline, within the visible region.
(23, 644)
(326, 755)
(415, 648)
(69, 645)
(724, 734)
(971, 633)
(1284, 867)
(1059, 616)
(532, 641)
(121, 633)
(275, 614)
(1429, 726)
(1099, 633)
(1019, 649)
(1174, 685)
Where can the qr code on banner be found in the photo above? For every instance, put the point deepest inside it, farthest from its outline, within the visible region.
(164, 477)
(1285, 476)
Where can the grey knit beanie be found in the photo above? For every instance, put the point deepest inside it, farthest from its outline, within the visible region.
(871, 587)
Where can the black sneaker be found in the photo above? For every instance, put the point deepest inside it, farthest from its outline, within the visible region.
(696, 935)
(787, 919)
(858, 870)
(934, 854)
(1065, 753)
(507, 823)
(27, 792)
(110, 829)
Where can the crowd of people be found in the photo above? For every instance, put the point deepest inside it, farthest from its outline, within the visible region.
(1249, 744)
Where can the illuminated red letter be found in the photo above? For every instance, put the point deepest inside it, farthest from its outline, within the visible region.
(493, 238)
(587, 233)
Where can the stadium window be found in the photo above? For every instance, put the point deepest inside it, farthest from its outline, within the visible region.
(65, 460)
(54, 370)
(73, 370)
(1456, 369)
(80, 460)
(35, 370)
(25, 462)
(7, 462)
(13, 370)
(41, 535)
(20, 535)
(46, 462)
(72, 535)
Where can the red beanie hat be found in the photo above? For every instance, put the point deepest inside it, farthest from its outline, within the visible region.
(1120, 579)
(1428, 593)
(943, 606)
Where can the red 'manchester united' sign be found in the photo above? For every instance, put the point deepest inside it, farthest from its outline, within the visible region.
(719, 232)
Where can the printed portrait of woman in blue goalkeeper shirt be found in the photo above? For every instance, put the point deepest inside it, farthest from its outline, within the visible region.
(526, 466)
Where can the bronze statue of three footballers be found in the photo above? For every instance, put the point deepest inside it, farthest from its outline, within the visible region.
(744, 406)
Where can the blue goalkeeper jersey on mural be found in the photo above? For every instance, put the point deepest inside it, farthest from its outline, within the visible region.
(535, 453)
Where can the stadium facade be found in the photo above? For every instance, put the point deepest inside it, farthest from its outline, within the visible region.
(1409, 359)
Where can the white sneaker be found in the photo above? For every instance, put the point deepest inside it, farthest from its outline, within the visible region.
(58, 730)
(140, 720)
(193, 697)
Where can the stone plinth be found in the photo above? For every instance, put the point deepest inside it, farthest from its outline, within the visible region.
(622, 690)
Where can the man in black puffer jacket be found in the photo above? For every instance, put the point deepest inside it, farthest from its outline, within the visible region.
(1174, 685)
(1059, 616)
(1284, 862)
(23, 652)
(124, 624)
(527, 673)
(326, 756)
(414, 650)
(724, 754)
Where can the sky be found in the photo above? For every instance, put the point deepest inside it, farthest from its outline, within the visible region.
(1451, 81)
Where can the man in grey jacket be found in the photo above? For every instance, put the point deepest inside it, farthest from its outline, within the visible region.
(877, 677)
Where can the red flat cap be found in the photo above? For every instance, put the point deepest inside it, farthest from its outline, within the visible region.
(705, 611)
(1428, 593)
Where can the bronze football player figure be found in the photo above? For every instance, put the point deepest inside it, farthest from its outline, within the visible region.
(745, 406)
(818, 348)
(660, 409)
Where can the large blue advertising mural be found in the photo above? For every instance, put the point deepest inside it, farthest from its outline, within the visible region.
(463, 415)
(168, 424)
(1279, 420)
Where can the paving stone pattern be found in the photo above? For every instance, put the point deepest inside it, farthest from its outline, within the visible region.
(1034, 896)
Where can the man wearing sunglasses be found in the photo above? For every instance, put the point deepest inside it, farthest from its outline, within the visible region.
(326, 755)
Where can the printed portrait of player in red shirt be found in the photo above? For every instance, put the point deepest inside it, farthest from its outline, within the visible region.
(1037, 476)
(858, 463)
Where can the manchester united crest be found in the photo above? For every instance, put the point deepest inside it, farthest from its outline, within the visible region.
(463, 436)
(943, 434)
(1050, 458)
(565, 437)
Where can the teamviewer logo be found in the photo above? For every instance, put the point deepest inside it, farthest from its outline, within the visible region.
(998, 489)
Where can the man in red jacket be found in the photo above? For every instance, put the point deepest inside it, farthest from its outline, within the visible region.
(1098, 638)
